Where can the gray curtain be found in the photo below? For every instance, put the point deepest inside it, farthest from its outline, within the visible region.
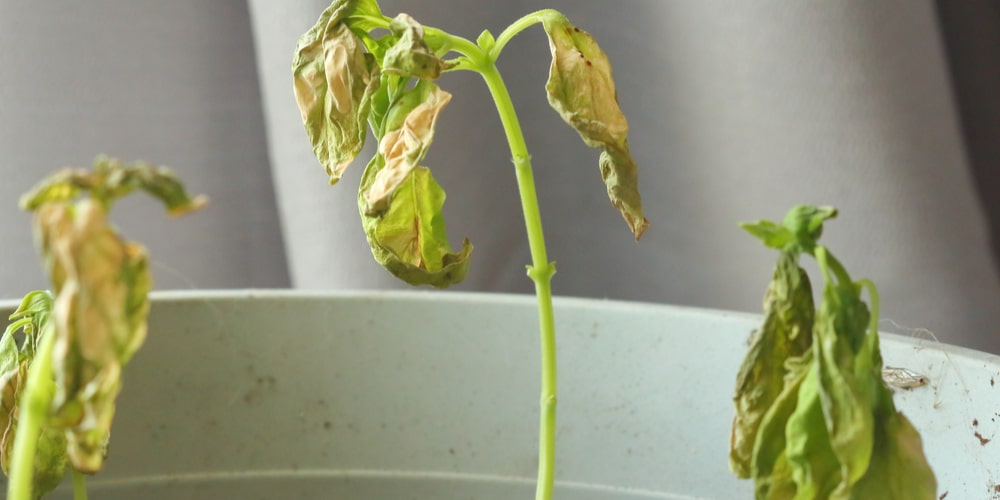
(738, 110)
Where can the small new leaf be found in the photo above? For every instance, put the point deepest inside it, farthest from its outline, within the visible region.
(409, 239)
(581, 89)
(410, 55)
(334, 79)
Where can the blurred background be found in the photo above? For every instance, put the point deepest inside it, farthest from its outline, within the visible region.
(738, 110)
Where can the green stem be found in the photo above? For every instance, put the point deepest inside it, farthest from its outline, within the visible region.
(79, 485)
(519, 26)
(540, 271)
(34, 403)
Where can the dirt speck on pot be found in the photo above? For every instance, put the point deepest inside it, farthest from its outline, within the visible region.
(983, 441)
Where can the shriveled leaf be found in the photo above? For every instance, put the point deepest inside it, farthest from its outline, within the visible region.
(847, 412)
(410, 131)
(334, 79)
(813, 464)
(769, 467)
(581, 89)
(410, 55)
(899, 469)
(409, 239)
(111, 179)
(99, 320)
(784, 334)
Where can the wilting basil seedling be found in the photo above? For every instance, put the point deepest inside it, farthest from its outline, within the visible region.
(348, 70)
(813, 417)
(93, 324)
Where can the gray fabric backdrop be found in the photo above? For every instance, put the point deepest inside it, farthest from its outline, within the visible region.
(737, 111)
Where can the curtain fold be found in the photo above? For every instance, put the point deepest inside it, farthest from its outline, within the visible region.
(169, 82)
(737, 111)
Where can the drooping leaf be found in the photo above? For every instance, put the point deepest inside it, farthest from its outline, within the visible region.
(581, 89)
(814, 466)
(784, 334)
(769, 467)
(839, 436)
(410, 55)
(334, 79)
(111, 179)
(99, 320)
(842, 317)
(899, 470)
(409, 239)
(408, 134)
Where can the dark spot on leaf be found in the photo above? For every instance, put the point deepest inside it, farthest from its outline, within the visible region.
(327, 425)
(588, 63)
(943, 495)
(451, 451)
(576, 29)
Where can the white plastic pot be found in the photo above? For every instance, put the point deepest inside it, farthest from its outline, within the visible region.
(430, 395)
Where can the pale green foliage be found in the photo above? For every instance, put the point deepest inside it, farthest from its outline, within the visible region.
(32, 318)
(581, 89)
(811, 405)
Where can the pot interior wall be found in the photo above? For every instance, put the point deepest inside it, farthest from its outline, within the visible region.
(429, 395)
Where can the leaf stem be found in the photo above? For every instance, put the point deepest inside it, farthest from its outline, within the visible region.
(519, 26)
(35, 401)
(540, 271)
(79, 485)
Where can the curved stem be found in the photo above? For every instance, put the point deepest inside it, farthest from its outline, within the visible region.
(540, 271)
(519, 26)
(35, 402)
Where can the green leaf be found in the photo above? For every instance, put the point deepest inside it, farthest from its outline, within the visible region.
(581, 89)
(801, 228)
(50, 455)
(409, 132)
(769, 467)
(899, 470)
(486, 41)
(773, 235)
(812, 461)
(409, 239)
(784, 334)
(334, 79)
(847, 412)
(410, 55)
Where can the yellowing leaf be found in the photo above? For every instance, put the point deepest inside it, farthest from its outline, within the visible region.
(409, 239)
(784, 334)
(334, 79)
(410, 55)
(99, 320)
(581, 89)
(405, 146)
(111, 179)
